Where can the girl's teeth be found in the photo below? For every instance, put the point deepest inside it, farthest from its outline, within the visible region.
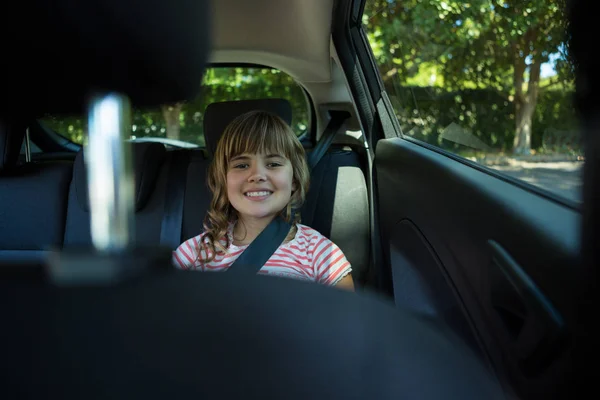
(257, 194)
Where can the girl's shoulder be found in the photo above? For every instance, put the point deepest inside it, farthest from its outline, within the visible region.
(194, 240)
(186, 254)
(308, 235)
(199, 242)
(201, 238)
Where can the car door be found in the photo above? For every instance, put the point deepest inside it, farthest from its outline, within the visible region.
(475, 173)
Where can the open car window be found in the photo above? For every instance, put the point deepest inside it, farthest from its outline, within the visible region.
(490, 81)
(181, 124)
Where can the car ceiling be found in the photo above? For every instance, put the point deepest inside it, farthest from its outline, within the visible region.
(293, 36)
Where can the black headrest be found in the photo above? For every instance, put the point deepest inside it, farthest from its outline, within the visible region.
(154, 51)
(11, 140)
(147, 159)
(218, 115)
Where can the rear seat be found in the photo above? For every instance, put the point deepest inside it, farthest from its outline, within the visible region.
(45, 205)
(337, 206)
(147, 160)
(197, 195)
(33, 201)
(151, 166)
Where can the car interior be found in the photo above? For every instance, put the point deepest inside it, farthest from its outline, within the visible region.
(497, 261)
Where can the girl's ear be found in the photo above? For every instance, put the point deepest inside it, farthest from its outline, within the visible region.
(294, 186)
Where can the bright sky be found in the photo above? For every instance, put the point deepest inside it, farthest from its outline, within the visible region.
(547, 70)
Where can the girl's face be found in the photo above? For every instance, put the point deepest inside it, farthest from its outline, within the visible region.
(259, 186)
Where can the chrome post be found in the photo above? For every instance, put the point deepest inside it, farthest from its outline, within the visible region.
(27, 146)
(110, 181)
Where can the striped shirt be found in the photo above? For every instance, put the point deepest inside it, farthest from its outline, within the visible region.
(309, 256)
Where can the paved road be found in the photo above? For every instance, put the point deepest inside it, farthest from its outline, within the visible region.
(563, 178)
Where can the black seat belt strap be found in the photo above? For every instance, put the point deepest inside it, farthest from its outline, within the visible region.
(262, 248)
(335, 123)
(170, 235)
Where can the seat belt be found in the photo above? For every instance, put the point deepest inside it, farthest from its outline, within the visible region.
(335, 123)
(262, 248)
(170, 234)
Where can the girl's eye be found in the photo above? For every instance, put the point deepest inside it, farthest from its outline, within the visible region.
(240, 166)
(274, 165)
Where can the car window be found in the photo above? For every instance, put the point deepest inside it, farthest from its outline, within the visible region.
(181, 124)
(488, 80)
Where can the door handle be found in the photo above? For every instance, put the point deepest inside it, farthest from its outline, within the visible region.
(535, 328)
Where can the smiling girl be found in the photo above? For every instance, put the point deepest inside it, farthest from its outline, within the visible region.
(259, 172)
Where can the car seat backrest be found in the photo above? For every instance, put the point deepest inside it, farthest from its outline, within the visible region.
(33, 200)
(149, 175)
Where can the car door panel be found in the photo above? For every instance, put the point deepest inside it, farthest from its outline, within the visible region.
(481, 252)
(425, 286)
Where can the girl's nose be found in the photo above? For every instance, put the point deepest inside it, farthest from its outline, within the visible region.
(257, 174)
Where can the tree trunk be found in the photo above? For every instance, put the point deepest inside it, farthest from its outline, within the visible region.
(171, 114)
(524, 111)
(518, 78)
(522, 142)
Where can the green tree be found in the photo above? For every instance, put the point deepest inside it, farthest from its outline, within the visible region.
(498, 44)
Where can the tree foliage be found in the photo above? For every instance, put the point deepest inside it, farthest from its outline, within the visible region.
(480, 44)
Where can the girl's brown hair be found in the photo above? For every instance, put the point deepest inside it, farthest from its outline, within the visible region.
(250, 133)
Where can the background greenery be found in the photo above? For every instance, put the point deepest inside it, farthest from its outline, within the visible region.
(184, 121)
(471, 71)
